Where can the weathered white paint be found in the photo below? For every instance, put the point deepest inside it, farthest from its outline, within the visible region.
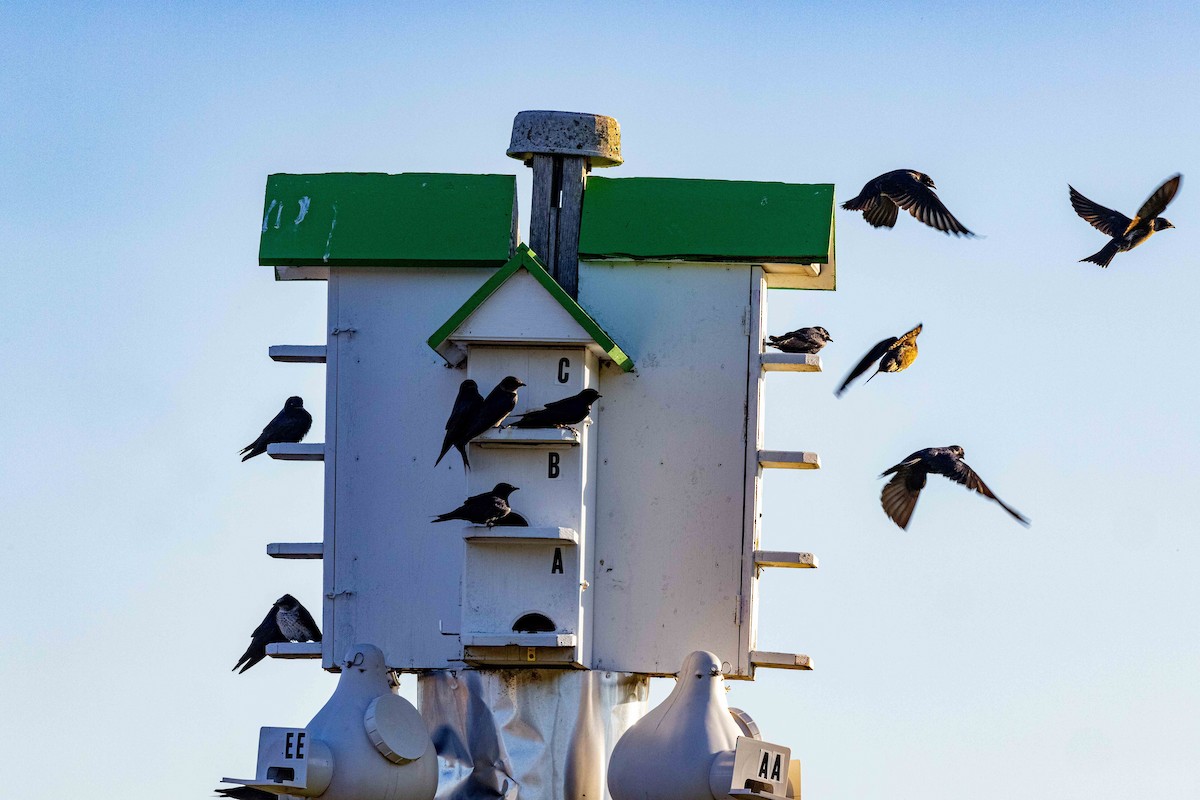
(267, 215)
(329, 239)
(304, 204)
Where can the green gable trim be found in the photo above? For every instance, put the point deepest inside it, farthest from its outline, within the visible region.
(526, 259)
(373, 219)
(707, 220)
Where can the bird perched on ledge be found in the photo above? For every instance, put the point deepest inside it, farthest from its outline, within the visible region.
(462, 417)
(883, 197)
(1126, 233)
(801, 340)
(560, 413)
(287, 621)
(290, 425)
(482, 509)
(894, 354)
(899, 496)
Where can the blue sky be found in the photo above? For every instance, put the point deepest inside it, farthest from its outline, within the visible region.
(965, 657)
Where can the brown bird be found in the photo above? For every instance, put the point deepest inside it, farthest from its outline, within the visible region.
(883, 197)
(1126, 233)
(801, 340)
(899, 496)
(893, 354)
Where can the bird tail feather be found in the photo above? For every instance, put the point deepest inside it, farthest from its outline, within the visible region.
(1103, 256)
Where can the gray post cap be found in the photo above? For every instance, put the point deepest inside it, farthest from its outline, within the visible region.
(566, 133)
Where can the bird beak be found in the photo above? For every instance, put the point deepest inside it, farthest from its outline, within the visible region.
(521, 384)
(516, 488)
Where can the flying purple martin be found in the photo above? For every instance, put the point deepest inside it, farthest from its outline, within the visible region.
(495, 407)
(802, 340)
(899, 496)
(894, 354)
(462, 417)
(482, 509)
(1126, 233)
(287, 621)
(290, 425)
(883, 197)
(560, 413)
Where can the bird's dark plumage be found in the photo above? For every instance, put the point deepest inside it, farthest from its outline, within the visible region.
(287, 621)
(899, 496)
(802, 340)
(568, 411)
(290, 425)
(482, 509)
(246, 793)
(882, 198)
(894, 354)
(462, 418)
(1125, 233)
(495, 407)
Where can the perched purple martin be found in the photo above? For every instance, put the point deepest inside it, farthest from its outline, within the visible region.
(560, 413)
(1126, 233)
(462, 417)
(495, 407)
(894, 354)
(802, 340)
(290, 425)
(482, 509)
(899, 496)
(287, 621)
(883, 197)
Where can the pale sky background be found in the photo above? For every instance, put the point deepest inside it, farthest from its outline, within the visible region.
(966, 658)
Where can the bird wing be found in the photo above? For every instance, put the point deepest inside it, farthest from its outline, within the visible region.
(310, 624)
(870, 358)
(898, 499)
(961, 473)
(1105, 220)
(920, 201)
(466, 406)
(881, 212)
(907, 338)
(1156, 203)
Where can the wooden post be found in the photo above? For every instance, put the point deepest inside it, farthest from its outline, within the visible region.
(562, 147)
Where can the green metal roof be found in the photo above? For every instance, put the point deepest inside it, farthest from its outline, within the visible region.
(707, 220)
(526, 259)
(374, 219)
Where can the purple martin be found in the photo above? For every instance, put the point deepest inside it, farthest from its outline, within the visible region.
(290, 425)
(1126, 233)
(899, 496)
(462, 417)
(495, 407)
(287, 621)
(802, 340)
(482, 509)
(894, 354)
(560, 413)
(883, 197)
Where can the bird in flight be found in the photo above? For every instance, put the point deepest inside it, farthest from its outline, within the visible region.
(1125, 233)
(482, 509)
(894, 354)
(883, 197)
(287, 621)
(560, 413)
(899, 496)
(801, 340)
(290, 425)
(462, 417)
